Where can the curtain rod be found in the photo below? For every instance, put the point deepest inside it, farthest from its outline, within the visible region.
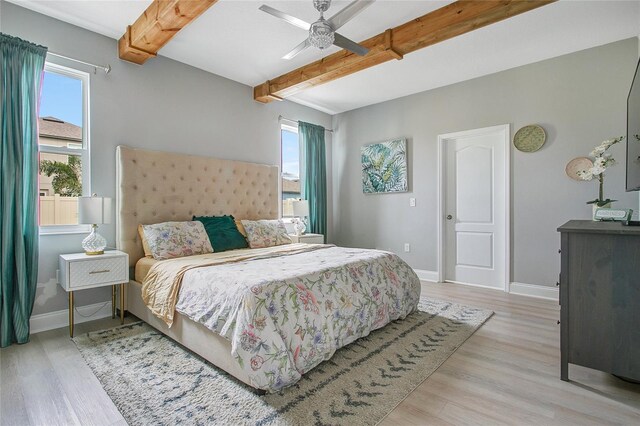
(280, 117)
(105, 68)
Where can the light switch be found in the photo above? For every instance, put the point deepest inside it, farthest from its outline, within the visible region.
(412, 202)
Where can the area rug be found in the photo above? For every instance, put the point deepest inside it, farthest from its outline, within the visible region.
(155, 381)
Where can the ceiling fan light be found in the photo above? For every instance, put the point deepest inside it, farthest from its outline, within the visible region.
(321, 35)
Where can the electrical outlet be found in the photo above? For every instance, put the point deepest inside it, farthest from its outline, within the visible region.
(407, 247)
(412, 202)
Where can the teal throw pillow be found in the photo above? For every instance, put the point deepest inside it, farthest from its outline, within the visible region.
(223, 232)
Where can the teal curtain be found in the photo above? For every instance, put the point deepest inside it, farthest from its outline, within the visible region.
(21, 66)
(315, 175)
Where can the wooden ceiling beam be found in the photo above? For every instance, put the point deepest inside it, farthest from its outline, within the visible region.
(450, 21)
(156, 26)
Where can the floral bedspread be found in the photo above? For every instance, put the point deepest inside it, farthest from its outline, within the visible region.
(285, 315)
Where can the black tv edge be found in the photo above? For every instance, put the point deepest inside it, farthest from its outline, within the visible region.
(633, 134)
(633, 138)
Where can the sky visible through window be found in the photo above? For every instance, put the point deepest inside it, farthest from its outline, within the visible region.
(290, 155)
(61, 98)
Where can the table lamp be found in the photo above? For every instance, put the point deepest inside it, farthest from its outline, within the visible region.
(300, 211)
(94, 211)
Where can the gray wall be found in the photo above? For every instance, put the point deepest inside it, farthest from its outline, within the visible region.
(580, 100)
(163, 105)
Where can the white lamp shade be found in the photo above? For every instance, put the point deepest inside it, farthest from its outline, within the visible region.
(94, 210)
(301, 208)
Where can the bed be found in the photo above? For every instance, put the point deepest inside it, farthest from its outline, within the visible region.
(266, 316)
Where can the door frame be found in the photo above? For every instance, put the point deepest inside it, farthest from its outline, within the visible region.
(442, 169)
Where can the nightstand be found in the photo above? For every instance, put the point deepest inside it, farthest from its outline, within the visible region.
(307, 238)
(79, 271)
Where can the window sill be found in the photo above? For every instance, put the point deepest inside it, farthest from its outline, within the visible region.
(64, 229)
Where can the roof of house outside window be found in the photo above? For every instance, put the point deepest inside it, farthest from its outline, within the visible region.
(54, 128)
(292, 186)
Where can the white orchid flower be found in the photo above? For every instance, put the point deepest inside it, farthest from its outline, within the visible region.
(586, 175)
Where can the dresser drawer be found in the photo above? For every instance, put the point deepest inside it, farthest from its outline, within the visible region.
(91, 272)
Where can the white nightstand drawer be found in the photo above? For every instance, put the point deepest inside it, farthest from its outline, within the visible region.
(307, 238)
(91, 272)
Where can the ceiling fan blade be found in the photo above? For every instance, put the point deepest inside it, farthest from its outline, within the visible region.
(299, 48)
(346, 14)
(345, 43)
(290, 19)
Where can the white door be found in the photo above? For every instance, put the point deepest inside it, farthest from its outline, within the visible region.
(475, 212)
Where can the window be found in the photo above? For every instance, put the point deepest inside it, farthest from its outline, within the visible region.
(64, 148)
(290, 166)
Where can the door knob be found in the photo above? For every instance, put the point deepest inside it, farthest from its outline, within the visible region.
(449, 217)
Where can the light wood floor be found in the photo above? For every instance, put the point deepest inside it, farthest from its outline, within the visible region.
(506, 373)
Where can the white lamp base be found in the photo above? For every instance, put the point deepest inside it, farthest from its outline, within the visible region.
(94, 243)
(299, 226)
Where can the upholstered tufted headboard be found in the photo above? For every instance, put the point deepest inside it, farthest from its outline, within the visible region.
(155, 186)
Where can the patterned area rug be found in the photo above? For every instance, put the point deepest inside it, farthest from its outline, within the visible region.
(154, 381)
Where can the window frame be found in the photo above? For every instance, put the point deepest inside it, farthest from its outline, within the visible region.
(293, 128)
(84, 152)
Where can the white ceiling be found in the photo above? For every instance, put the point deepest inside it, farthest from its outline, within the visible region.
(236, 40)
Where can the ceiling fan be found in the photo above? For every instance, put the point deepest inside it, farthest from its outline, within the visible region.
(322, 33)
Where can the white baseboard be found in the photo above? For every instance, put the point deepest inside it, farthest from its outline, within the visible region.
(58, 319)
(488, 287)
(425, 275)
(532, 290)
(522, 289)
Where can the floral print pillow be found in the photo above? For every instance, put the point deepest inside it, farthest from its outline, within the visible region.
(266, 233)
(168, 240)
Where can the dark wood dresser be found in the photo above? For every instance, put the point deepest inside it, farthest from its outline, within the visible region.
(600, 297)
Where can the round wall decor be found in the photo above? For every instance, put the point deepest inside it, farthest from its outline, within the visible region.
(577, 165)
(529, 138)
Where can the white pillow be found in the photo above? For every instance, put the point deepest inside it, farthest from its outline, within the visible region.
(266, 233)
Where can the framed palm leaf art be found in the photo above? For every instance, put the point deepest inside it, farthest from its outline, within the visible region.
(384, 167)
